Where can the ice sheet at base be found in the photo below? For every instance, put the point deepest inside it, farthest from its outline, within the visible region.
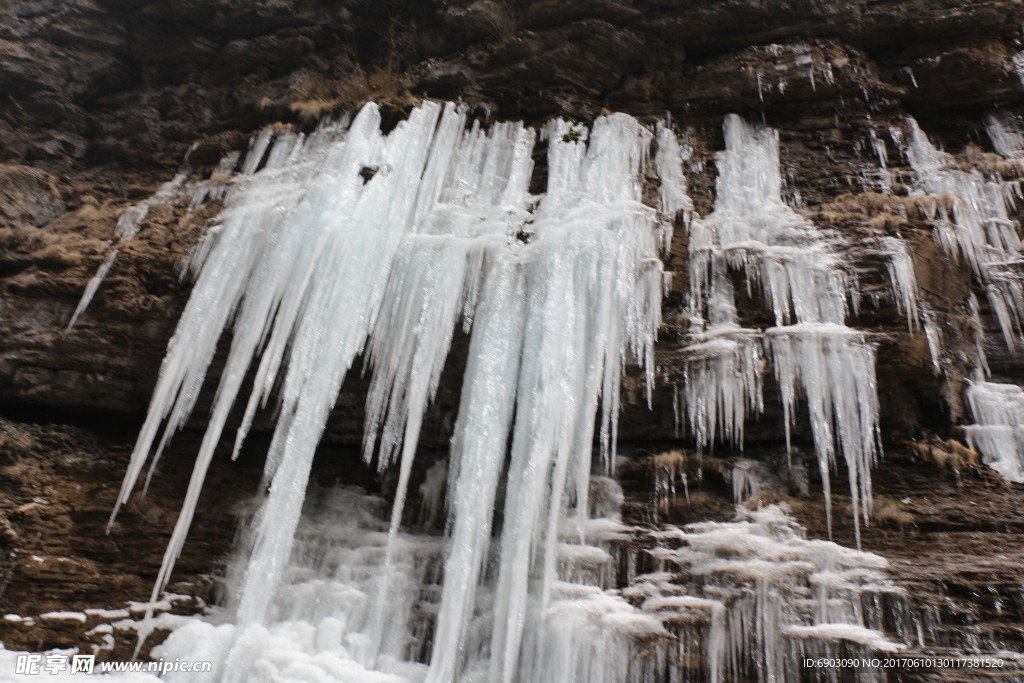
(725, 600)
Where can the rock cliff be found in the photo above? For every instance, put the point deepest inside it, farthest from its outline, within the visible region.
(104, 100)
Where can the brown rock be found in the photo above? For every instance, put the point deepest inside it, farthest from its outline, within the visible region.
(28, 196)
(104, 98)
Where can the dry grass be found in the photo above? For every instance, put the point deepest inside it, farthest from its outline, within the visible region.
(315, 96)
(58, 255)
(672, 462)
(930, 207)
(886, 222)
(789, 503)
(15, 442)
(948, 455)
(989, 163)
(7, 47)
(869, 204)
(668, 508)
(882, 214)
(888, 512)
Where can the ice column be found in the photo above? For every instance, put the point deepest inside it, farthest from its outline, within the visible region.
(902, 278)
(299, 238)
(594, 284)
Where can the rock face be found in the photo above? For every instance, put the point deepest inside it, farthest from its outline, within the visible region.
(106, 99)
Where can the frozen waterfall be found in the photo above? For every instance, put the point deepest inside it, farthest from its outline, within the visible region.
(972, 211)
(351, 243)
(814, 355)
(972, 215)
(558, 292)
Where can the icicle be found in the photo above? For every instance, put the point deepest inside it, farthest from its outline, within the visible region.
(216, 186)
(669, 469)
(815, 355)
(981, 360)
(902, 279)
(594, 245)
(834, 368)
(977, 226)
(757, 589)
(128, 224)
(752, 229)
(434, 235)
(722, 382)
(933, 336)
(884, 175)
(1006, 134)
(315, 261)
(672, 190)
(747, 481)
(339, 225)
(484, 199)
(485, 419)
(432, 492)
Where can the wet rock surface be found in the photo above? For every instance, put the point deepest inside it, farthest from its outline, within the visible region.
(106, 99)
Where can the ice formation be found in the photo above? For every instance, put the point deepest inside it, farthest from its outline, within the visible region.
(351, 242)
(128, 224)
(730, 359)
(902, 279)
(751, 229)
(723, 601)
(974, 222)
(972, 214)
(747, 593)
(1006, 134)
(906, 295)
(814, 355)
(998, 434)
(669, 477)
(557, 291)
(747, 480)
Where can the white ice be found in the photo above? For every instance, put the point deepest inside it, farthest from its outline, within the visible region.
(976, 225)
(998, 432)
(127, 227)
(798, 269)
(315, 261)
(745, 593)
